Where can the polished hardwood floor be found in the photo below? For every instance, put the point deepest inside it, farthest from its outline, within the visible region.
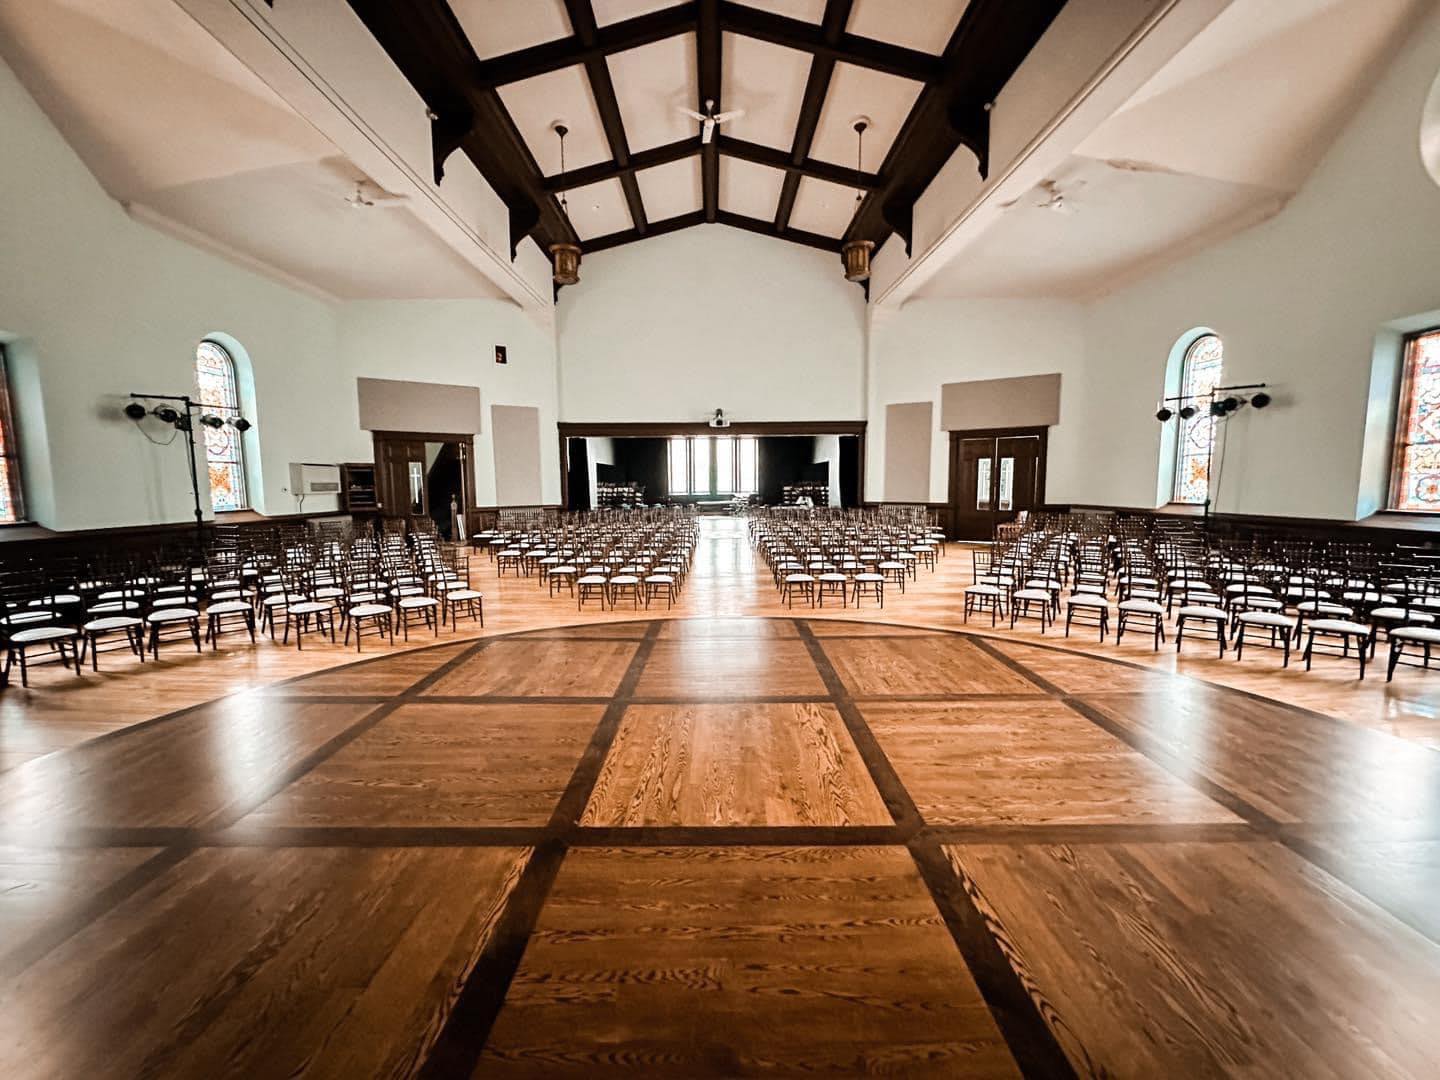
(716, 846)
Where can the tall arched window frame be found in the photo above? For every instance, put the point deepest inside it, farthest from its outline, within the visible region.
(1200, 373)
(217, 386)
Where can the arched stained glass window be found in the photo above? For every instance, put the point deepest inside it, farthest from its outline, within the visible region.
(1416, 481)
(224, 454)
(1200, 374)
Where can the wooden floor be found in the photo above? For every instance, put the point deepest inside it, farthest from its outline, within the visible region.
(720, 846)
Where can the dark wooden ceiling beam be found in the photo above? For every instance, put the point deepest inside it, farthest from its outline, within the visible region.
(724, 217)
(830, 43)
(707, 67)
(582, 21)
(429, 47)
(569, 51)
(726, 146)
(991, 42)
(817, 85)
(683, 18)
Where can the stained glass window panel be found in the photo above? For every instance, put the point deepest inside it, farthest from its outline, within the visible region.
(11, 504)
(217, 388)
(1416, 483)
(1200, 375)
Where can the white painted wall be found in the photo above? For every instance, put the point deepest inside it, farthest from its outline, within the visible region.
(1302, 302)
(711, 317)
(1298, 301)
(94, 305)
(927, 343)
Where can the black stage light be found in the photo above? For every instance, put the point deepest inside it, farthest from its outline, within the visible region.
(210, 420)
(1217, 408)
(135, 411)
(166, 414)
(1260, 400)
(1230, 404)
(239, 423)
(1187, 413)
(1162, 414)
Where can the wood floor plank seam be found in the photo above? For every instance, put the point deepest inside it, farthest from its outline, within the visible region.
(1016, 1012)
(231, 813)
(466, 1029)
(1021, 1013)
(37, 946)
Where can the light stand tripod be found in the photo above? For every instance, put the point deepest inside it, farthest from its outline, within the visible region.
(182, 420)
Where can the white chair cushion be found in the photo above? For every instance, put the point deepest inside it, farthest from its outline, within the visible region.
(983, 590)
(1402, 613)
(869, 577)
(797, 579)
(1266, 618)
(592, 579)
(362, 611)
(228, 607)
(43, 633)
(174, 614)
(1338, 626)
(1141, 607)
(111, 622)
(1198, 611)
(1423, 634)
(412, 603)
(465, 594)
(1032, 594)
(1087, 600)
(310, 607)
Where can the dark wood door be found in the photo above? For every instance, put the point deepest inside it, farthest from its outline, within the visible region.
(402, 472)
(993, 477)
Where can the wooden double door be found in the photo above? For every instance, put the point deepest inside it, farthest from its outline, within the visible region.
(994, 475)
(425, 474)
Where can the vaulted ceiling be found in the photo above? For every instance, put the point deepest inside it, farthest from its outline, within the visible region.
(497, 74)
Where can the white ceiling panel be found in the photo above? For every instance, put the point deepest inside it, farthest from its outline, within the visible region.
(925, 25)
(857, 91)
(671, 190)
(599, 209)
(535, 104)
(612, 11)
(768, 82)
(808, 10)
(652, 84)
(496, 27)
(822, 207)
(749, 189)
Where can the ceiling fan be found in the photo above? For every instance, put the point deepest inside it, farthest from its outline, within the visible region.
(710, 119)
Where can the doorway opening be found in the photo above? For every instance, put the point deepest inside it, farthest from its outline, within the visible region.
(995, 476)
(426, 475)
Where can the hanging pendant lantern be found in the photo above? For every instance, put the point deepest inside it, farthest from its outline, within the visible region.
(564, 256)
(856, 253)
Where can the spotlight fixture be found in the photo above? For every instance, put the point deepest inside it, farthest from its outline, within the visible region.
(1187, 412)
(1260, 400)
(210, 420)
(1230, 404)
(135, 411)
(239, 423)
(1217, 408)
(1163, 414)
(165, 414)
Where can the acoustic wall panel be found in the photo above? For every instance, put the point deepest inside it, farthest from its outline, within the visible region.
(401, 405)
(515, 434)
(1024, 401)
(907, 451)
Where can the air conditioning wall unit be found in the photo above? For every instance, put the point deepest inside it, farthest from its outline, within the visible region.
(311, 479)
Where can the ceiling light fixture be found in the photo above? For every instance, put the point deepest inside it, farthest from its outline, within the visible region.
(856, 253)
(566, 256)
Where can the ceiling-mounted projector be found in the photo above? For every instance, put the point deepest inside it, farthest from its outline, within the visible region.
(718, 420)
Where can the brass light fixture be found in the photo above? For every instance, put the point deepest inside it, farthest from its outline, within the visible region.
(565, 256)
(856, 254)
